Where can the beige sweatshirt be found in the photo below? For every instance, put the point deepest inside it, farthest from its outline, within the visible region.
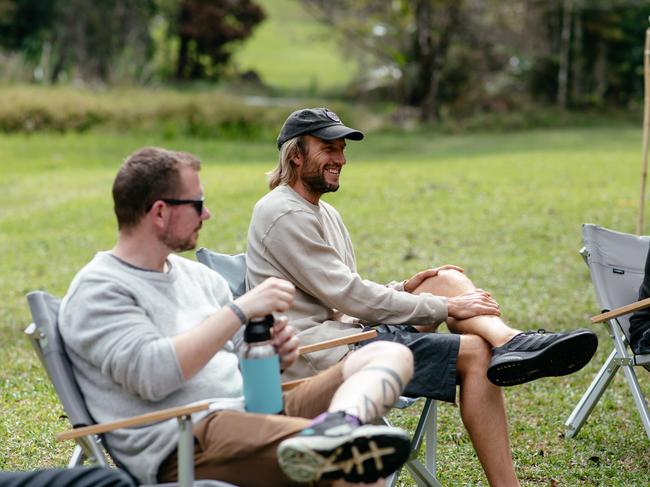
(309, 245)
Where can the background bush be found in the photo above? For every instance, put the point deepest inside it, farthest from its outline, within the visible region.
(209, 113)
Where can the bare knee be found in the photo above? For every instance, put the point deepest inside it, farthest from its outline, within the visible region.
(474, 355)
(456, 278)
(448, 282)
(394, 355)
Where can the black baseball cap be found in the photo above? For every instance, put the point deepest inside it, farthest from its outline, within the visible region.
(319, 122)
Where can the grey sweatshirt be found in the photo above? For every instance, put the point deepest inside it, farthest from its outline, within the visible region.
(310, 246)
(117, 322)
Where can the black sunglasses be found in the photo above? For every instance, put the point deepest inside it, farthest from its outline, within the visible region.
(197, 204)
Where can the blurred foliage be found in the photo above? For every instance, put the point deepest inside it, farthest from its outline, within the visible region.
(470, 56)
(206, 29)
(114, 40)
(103, 41)
(171, 113)
(441, 59)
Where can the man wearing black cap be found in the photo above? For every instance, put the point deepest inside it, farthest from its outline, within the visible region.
(296, 236)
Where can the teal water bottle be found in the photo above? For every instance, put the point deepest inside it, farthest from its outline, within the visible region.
(260, 368)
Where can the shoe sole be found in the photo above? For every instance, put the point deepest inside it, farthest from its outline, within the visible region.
(368, 453)
(564, 357)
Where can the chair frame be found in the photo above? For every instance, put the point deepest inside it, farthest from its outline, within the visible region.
(426, 430)
(620, 357)
(86, 433)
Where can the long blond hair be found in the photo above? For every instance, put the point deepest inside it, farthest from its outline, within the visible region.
(285, 171)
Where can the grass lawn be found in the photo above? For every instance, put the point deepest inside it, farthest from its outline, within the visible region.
(293, 52)
(508, 208)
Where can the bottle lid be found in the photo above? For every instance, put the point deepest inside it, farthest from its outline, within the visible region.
(258, 329)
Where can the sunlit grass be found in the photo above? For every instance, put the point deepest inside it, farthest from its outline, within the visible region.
(508, 208)
(292, 52)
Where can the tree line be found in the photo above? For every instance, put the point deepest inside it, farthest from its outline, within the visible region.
(490, 55)
(111, 40)
(433, 55)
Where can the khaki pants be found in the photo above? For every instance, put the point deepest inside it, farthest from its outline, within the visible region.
(240, 448)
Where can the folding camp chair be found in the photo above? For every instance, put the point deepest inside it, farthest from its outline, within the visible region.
(616, 263)
(233, 270)
(46, 340)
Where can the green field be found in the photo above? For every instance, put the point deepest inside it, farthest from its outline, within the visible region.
(508, 208)
(292, 52)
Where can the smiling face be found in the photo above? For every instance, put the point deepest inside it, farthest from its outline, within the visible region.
(182, 231)
(319, 170)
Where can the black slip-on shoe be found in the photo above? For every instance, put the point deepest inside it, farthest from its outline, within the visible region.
(336, 449)
(535, 354)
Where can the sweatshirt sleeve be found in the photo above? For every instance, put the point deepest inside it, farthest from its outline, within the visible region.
(103, 324)
(295, 245)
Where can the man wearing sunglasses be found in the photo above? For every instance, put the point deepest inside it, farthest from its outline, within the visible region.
(146, 329)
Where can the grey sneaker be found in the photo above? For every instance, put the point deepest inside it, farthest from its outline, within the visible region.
(535, 354)
(335, 449)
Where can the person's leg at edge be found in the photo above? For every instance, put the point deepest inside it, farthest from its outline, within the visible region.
(453, 283)
(483, 412)
(241, 447)
(338, 443)
(366, 398)
(374, 376)
(369, 398)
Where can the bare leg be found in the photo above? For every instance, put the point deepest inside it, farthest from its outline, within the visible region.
(453, 283)
(375, 376)
(483, 412)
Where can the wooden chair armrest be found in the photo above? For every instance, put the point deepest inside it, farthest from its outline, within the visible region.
(335, 342)
(324, 345)
(291, 384)
(176, 412)
(156, 416)
(623, 310)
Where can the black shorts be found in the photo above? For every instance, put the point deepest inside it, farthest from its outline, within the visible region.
(435, 356)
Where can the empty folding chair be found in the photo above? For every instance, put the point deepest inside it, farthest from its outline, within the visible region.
(616, 264)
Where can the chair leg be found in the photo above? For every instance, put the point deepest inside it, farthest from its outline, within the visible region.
(421, 475)
(87, 449)
(427, 426)
(589, 399)
(431, 433)
(639, 398)
(185, 452)
(77, 457)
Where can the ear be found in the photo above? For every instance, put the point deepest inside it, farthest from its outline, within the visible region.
(297, 158)
(158, 214)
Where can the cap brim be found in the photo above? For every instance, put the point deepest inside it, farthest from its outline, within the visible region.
(337, 132)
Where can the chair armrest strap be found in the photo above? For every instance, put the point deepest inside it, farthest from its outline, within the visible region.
(291, 384)
(156, 416)
(335, 342)
(623, 310)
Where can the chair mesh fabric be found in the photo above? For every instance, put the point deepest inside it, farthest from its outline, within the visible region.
(231, 267)
(616, 263)
(45, 308)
